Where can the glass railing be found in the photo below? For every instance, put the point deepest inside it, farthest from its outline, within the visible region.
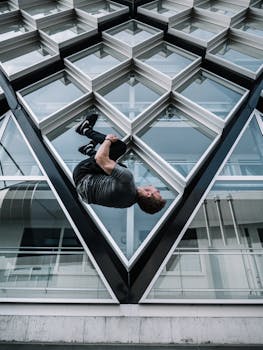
(49, 273)
(211, 274)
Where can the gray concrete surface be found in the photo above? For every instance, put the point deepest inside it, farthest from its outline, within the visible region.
(188, 325)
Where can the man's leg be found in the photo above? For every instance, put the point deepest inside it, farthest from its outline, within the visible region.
(86, 128)
(117, 148)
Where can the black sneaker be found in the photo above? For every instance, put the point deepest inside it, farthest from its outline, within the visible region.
(92, 118)
(88, 123)
(88, 149)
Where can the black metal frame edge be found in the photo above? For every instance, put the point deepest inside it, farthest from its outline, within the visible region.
(129, 286)
(108, 261)
(148, 264)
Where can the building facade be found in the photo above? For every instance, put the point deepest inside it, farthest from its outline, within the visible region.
(180, 82)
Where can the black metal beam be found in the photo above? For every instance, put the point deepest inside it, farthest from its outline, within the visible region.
(148, 264)
(106, 258)
(129, 285)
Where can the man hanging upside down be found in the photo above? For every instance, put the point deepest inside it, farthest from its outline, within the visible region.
(100, 179)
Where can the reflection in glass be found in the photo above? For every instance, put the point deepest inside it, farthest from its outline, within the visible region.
(130, 227)
(67, 30)
(5, 7)
(258, 5)
(41, 255)
(167, 59)
(198, 29)
(28, 55)
(220, 256)
(132, 33)
(97, 60)
(167, 136)
(209, 94)
(68, 151)
(46, 9)
(251, 26)
(15, 156)
(131, 94)
(247, 157)
(164, 8)
(101, 8)
(12, 29)
(242, 55)
(221, 7)
(53, 96)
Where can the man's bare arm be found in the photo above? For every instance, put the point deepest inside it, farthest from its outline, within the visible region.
(102, 156)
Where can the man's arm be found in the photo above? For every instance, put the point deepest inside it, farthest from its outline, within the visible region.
(102, 156)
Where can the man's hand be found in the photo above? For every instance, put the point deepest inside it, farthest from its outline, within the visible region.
(113, 138)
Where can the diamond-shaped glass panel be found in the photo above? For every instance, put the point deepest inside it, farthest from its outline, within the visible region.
(67, 30)
(210, 94)
(101, 8)
(68, 151)
(240, 54)
(221, 7)
(220, 256)
(167, 136)
(130, 227)
(251, 26)
(164, 8)
(15, 156)
(247, 157)
(54, 95)
(132, 33)
(14, 61)
(12, 29)
(97, 60)
(198, 29)
(42, 256)
(167, 59)
(47, 8)
(131, 94)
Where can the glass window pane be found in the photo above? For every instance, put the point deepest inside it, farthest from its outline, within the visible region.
(167, 135)
(198, 29)
(5, 7)
(247, 157)
(131, 94)
(68, 151)
(101, 8)
(53, 96)
(251, 26)
(242, 55)
(12, 29)
(167, 59)
(130, 227)
(45, 9)
(210, 94)
(132, 33)
(28, 55)
(221, 7)
(67, 30)
(33, 261)
(97, 60)
(227, 268)
(164, 8)
(258, 5)
(15, 157)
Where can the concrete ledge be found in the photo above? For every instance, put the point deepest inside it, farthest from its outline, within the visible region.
(132, 330)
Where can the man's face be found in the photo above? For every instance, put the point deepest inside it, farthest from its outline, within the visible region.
(151, 191)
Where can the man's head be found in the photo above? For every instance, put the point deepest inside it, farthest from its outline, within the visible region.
(150, 200)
